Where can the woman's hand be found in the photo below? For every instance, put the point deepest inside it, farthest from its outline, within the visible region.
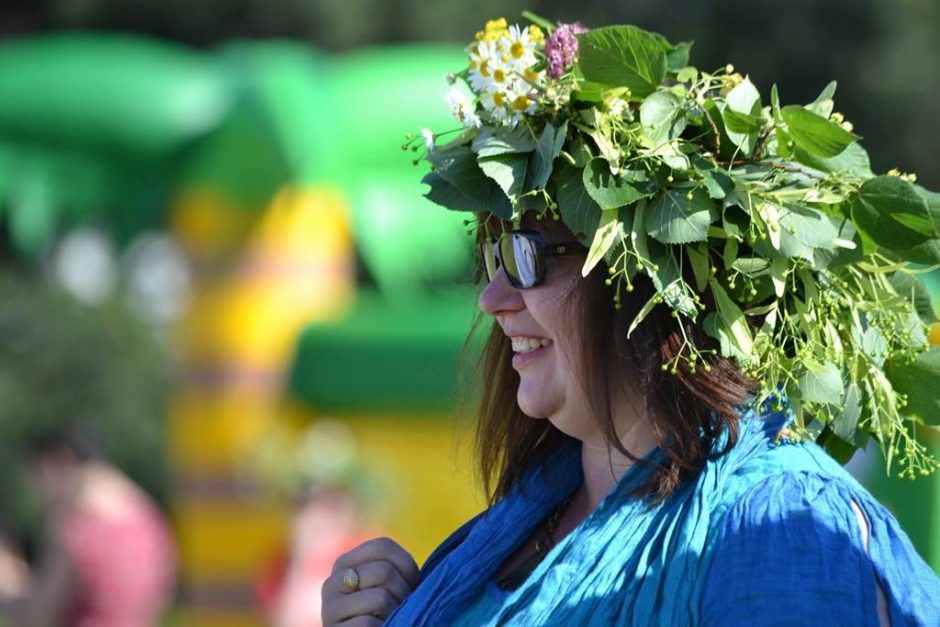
(386, 575)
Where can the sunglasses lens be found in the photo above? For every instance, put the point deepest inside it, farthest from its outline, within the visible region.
(490, 263)
(520, 255)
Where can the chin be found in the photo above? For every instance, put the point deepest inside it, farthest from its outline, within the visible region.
(534, 404)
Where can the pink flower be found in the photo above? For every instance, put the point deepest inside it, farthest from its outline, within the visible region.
(561, 48)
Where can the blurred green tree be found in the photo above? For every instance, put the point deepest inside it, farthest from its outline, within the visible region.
(65, 364)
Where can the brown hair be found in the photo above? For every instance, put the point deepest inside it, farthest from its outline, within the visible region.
(688, 410)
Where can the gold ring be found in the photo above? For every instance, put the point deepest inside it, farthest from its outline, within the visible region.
(351, 580)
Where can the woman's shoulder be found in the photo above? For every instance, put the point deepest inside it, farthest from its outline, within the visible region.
(804, 536)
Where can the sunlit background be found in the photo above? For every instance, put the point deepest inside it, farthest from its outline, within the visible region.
(216, 257)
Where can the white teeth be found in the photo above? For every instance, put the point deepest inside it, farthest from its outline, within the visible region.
(528, 344)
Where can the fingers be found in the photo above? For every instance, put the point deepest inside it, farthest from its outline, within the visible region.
(382, 574)
(380, 549)
(362, 621)
(371, 602)
(387, 574)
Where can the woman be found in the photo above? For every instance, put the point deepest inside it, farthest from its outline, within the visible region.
(644, 417)
(107, 557)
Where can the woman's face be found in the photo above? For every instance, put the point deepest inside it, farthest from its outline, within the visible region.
(539, 322)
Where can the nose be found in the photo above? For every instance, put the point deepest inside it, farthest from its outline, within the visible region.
(499, 296)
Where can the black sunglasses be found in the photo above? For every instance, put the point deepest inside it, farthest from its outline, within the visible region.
(522, 254)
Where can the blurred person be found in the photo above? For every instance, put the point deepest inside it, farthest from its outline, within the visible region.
(646, 446)
(106, 558)
(14, 571)
(327, 521)
(332, 494)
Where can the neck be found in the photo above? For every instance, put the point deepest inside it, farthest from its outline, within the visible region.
(603, 465)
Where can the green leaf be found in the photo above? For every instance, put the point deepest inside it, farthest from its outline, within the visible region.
(775, 103)
(752, 266)
(911, 288)
(446, 195)
(837, 448)
(674, 218)
(579, 211)
(821, 383)
(641, 315)
(508, 170)
(687, 74)
(668, 282)
(847, 421)
(699, 260)
(547, 149)
(623, 56)
(741, 123)
(871, 341)
(854, 159)
(802, 231)
(459, 168)
(889, 210)
(607, 190)
(745, 100)
(927, 253)
(640, 243)
(677, 56)
(823, 104)
(815, 134)
(662, 117)
(609, 232)
(718, 184)
(807, 226)
(920, 381)
(731, 321)
(501, 140)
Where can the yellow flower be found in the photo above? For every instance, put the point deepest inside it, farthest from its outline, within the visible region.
(522, 103)
(536, 34)
(494, 30)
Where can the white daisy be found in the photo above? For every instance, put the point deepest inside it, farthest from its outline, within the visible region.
(462, 108)
(497, 106)
(482, 63)
(519, 48)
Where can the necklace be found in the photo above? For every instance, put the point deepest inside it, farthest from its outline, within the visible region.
(543, 544)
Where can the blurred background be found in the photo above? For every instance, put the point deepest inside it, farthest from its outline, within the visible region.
(216, 262)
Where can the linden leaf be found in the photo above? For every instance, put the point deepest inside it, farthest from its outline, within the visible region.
(821, 383)
(732, 323)
(547, 148)
(609, 232)
(676, 218)
(815, 134)
(607, 190)
(579, 211)
(918, 380)
(889, 210)
(625, 56)
(662, 117)
(508, 170)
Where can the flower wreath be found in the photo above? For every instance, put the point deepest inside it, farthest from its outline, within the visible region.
(659, 167)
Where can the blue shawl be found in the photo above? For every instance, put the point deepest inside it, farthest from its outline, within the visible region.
(628, 562)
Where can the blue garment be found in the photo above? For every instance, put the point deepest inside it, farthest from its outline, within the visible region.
(764, 535)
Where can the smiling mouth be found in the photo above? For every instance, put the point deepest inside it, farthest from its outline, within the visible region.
(523, 345)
